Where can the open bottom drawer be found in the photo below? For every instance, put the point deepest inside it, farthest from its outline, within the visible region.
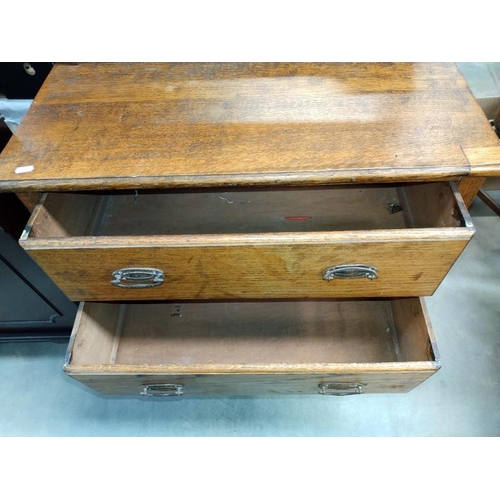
(253, 348)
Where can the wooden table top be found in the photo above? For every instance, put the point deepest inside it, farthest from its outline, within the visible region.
(148, 125)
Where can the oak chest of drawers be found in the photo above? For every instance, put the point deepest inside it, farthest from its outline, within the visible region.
(248, 229)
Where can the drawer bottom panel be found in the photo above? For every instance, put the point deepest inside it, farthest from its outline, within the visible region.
(338, 348)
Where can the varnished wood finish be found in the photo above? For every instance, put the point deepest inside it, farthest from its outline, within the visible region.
(412, 256)
(253, 348)
(438, 205)
(485, 161)
(408, 265)
(415, 337)
(211, 124)
(224, 126)
(469, 187)
(78, 215)
(29, 199)
(100, 329)
(385, 379)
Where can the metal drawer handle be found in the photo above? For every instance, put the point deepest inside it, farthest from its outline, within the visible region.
(162, 390)
(137, 277)
(340, 389)
(349, 271)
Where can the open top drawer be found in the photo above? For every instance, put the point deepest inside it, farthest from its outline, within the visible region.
(253, 348)
(339, 241)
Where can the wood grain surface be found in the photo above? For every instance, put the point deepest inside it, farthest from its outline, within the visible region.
(253, 347)
(29, 199)
(469, 187)
(409, 263)
(224, 124)
(484, 161)
(387, 379)
(415, 336)
(413, 250)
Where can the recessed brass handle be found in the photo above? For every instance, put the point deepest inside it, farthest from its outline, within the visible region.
(340, 389)
(137, 277)
(350, 271)
(162, 390)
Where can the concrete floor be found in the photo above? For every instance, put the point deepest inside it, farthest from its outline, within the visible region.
(462, 399)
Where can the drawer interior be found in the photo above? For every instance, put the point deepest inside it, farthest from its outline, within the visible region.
(174, 212)
(228, 333)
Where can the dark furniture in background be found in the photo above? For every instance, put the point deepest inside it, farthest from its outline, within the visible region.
(22, 80)
(31, 306)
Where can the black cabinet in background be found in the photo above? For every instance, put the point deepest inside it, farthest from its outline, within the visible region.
(31, 306)
(20, 80)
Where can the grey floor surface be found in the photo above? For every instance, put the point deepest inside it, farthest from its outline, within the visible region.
(462, 399)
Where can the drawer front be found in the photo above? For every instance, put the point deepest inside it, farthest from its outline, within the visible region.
(282, 267)
(327, 348)
(321, 243)
(173, 387)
